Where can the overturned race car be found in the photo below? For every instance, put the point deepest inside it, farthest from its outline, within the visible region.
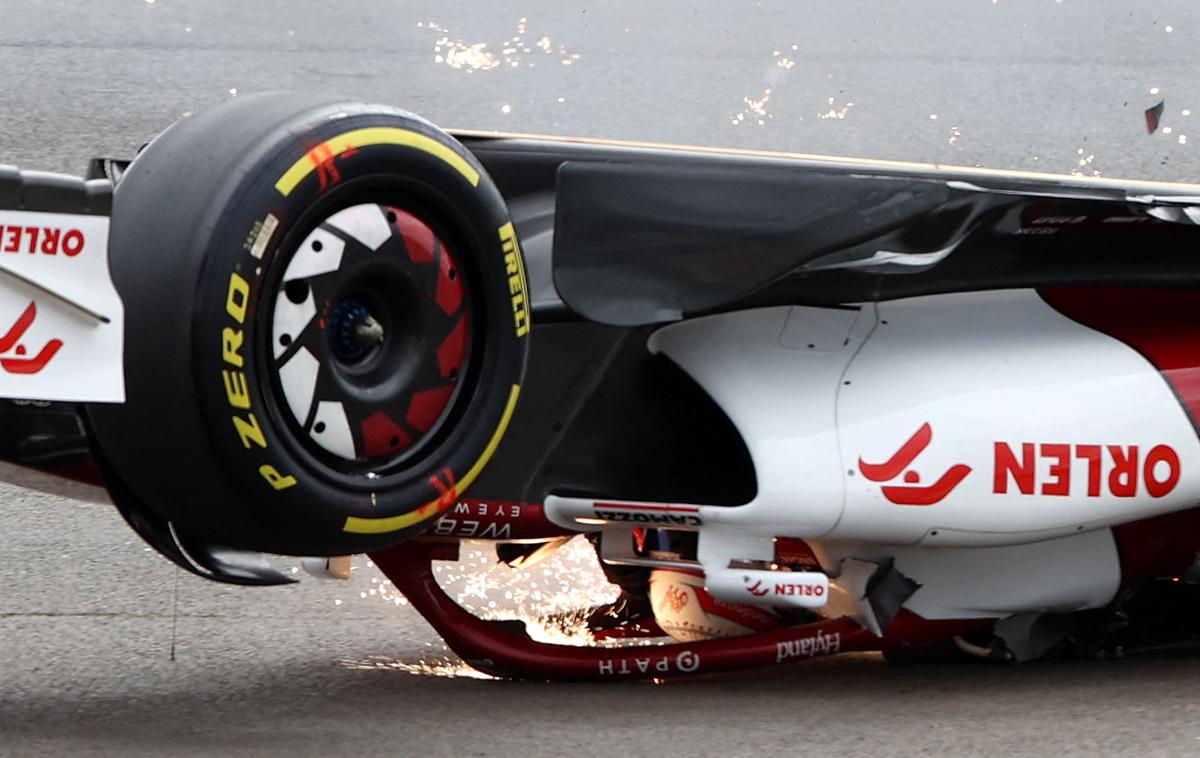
(799, 405)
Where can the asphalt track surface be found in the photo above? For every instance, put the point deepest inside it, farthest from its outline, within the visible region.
(88, 614)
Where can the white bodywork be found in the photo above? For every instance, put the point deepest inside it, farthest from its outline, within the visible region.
(61, 320)
(981, 440)
(1005, 368)
(1050, 576)
(980, 369)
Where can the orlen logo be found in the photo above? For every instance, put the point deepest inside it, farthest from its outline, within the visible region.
(912, 493)
(794, 589)
(1111, 469)
(41, 239)
(17, 362)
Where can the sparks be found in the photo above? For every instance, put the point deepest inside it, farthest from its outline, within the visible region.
(556, 613)
(756, 109)
(475, 56)
(835, 113)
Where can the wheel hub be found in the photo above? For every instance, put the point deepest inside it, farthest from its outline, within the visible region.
(353, 331)
(370, 335)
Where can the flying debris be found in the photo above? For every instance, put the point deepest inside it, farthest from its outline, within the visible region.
(1153, 114)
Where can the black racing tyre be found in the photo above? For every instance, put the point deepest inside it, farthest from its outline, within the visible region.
(326, 325)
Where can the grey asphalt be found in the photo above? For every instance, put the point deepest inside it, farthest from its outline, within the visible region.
(88, 615)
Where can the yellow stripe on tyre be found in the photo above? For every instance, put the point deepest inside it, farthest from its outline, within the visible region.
(376, 135)
(358, 525)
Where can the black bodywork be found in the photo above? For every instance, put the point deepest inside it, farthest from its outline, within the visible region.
(646, 234)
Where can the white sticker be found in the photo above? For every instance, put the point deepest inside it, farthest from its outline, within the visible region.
(264, 236)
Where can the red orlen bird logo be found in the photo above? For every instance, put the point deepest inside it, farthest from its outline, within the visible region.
(912, 493)
(755, 589)
(21, 364)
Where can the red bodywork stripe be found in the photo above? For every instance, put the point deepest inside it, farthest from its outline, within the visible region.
(1164, 326)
